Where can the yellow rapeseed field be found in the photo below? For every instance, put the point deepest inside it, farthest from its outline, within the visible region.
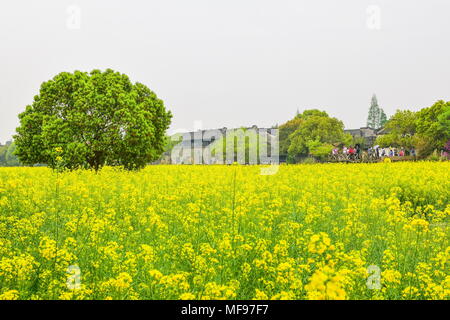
(323, 231)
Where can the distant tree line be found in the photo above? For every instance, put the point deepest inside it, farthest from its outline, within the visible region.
(312, 135)
(426, 130)
(87, 120)
(7, 156)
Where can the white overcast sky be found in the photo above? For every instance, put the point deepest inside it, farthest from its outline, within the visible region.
(235, 62)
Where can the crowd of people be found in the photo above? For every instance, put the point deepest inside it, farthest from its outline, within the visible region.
(351, 152)
(376, 152)
(391, 152)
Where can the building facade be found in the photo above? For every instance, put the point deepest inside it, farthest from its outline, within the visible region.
(198, 147)
(368, 134)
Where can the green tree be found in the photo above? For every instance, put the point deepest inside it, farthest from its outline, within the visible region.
(426, 130)
(3, 150)
(97, 118)
(245, 142)
(432, 124)
(444, 120)
(376, 117)
(11, 159)
(7, 155)
(319, 150)
(316, 134)
(285, 130)
(401, 129)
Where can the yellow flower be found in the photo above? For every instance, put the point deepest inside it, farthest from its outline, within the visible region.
(156, 274)
(410, 292)
(284, 295)
(319, 243)
(391, 276)
(260, 295)
(148, 253)
(326, 284)
(223, 232)
(9, 295)
(123, 281)
(187, 296)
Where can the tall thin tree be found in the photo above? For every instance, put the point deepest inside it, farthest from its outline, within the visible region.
(376, 117)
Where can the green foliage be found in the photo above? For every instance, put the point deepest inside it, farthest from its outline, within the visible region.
(319, 150)
(316, 134)
(432, 124)
(444, 120)
(387, 140)
(436, 156)
(172, 141)
(312, 113)
(7, 155)
(401, 129)
(308, 160)
(10, 157)
(97, 118)
(240, 141)
(3, 150)
(426, 130)
(285, 130)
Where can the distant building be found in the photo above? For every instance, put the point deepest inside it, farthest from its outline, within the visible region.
(368, 134)
(383, 131)
(193, 145)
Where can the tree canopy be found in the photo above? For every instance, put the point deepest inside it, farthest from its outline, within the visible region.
(401, 129)
(91, 119)
(427, 129)
(311, 133)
